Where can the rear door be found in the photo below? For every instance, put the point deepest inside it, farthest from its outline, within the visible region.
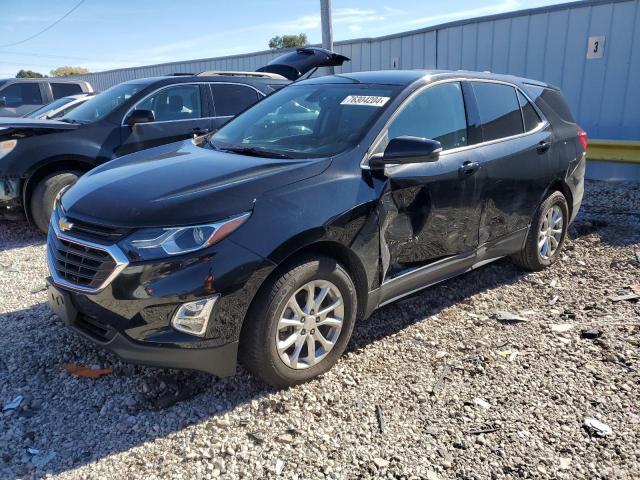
(181, 111)
(515, 155)
(229, 99)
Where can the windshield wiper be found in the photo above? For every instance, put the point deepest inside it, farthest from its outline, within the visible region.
(70, 120)
(255, 152)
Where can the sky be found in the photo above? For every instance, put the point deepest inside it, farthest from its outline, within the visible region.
(107, 34)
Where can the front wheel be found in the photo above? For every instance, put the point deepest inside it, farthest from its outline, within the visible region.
(546, 234)
(300, 324)
(44, 196)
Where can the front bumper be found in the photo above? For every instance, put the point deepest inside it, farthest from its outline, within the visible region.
(218, 360)
(131, 314)
(10, 201)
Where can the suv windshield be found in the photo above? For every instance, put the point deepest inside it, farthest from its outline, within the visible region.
(49, 107)
(302, 121)
(103, 104)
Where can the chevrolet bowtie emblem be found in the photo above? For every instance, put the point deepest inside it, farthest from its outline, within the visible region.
(64, 224)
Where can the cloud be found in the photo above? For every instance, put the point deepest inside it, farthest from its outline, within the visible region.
(504, 6)
(355, 28)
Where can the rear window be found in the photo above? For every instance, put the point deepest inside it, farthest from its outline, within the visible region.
(60, 90)
(550, 99)
(230, 99)
(499, 110)
(529, 114)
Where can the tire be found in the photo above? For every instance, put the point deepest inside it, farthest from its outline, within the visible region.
(261, 334)
(44, 196)
(532, 256)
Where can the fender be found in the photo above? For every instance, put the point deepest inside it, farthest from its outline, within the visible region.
(47, 166)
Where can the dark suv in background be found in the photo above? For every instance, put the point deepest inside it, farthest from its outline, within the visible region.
(39, 158)
(308, 211)
(19, 96)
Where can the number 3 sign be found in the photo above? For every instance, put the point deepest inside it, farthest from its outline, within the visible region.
(596, 47)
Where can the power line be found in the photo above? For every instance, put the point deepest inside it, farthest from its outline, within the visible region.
(47, 28)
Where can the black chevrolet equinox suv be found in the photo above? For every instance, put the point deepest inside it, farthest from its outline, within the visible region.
(308, 211)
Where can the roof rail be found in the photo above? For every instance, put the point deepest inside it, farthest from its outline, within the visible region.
(227, 73)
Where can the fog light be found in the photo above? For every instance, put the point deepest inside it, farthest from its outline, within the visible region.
(193, 317)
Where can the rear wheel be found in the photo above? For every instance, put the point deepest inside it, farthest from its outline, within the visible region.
(300, 324)
(45, 193)
(546, 235)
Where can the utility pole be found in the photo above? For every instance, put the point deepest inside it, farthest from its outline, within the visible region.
(327, 29)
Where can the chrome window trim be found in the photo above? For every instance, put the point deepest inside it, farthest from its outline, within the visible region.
(131, 109)
(364, 164)
(116, 254)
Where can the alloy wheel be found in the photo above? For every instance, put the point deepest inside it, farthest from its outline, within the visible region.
(550, 232)
(310, 324)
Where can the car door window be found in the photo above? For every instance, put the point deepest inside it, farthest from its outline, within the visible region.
(437, 113)
(529, 114)
(499, 110)
(60, 90)
(178, 102)
(18, 94)
(230, 99)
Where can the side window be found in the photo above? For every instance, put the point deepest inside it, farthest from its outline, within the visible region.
(178, 102)
(60, 90)
(499, 110)
(437, 113)
(529, 114)
(18, 94)
(230, 99)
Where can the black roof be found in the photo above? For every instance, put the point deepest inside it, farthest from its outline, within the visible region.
(407, 77)
(171, 79)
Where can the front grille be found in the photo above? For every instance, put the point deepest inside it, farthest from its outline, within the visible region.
(92, 231)
(79, 264)
(94, 328)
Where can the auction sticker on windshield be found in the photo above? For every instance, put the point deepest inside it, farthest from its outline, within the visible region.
(370, 100)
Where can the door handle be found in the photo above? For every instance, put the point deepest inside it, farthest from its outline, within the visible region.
(543, 146)
(468, 168)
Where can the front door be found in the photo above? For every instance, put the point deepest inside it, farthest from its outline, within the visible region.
(431, 211)
(180, 112)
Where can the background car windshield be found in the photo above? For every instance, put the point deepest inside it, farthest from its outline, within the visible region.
(104, 103)
(50, 107)
(308, 120)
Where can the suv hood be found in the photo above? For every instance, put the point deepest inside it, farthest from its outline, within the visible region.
(293, 65)
(179, 184)
(9, 126)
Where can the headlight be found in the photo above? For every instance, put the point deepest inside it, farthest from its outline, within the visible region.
(152, 243)
(7, 146)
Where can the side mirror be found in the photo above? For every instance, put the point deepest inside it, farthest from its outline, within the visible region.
(405, 149)
(3, 102)
(140, 116)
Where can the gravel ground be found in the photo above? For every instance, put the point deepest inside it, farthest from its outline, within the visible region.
(420, 383)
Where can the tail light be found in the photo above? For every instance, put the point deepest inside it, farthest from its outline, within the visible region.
(582, 136)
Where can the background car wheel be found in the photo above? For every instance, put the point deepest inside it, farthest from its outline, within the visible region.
(546, 235)
(45, 193)
(300, 324)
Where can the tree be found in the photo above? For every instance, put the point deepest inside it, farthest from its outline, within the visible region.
(288, 41)
(67, 71)
(29, 74)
